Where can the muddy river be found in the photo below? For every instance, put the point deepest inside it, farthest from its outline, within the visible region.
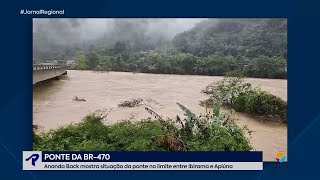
(53, 104)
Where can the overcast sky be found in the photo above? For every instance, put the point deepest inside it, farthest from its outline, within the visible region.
(73, 30)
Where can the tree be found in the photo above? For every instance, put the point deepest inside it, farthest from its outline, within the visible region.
(81, 61)
(120, 47)
(92, 59)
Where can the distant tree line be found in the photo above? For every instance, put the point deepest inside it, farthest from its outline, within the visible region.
(183, 63)
(254, 47)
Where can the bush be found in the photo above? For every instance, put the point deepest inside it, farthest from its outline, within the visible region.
(227, 90)
(261, 103)
(145, 135)
(233, 92)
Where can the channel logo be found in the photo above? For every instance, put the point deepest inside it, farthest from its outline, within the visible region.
(34, 158)
(280, 157)
(31, 160)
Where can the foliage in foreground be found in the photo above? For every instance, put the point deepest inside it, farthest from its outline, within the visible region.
(235, 93)
(193, 133)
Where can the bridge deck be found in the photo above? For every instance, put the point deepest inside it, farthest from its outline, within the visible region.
(45, 72)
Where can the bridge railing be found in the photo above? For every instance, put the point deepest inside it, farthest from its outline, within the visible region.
(42, 66)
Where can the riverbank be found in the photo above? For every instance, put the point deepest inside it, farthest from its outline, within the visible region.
(207, 134)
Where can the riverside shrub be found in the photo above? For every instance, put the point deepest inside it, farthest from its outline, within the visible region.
(259, 102)
(235, 93)
(145, 135)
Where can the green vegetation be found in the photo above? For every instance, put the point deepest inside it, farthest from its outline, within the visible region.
(259, 102)
(186, 63)
(193, 133)
(233, 92)
(81, 62)
(255, 47)
(235, 37)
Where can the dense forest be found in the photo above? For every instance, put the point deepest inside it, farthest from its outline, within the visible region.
(254, 47)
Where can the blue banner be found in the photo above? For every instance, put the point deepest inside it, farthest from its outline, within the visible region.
(117, 156)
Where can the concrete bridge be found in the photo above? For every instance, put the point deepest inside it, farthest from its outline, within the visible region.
(45, 72)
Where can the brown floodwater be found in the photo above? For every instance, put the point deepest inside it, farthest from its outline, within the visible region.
(53, 104)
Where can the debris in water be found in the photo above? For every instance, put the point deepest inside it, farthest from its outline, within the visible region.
(154, 114)
(130, 103)
(78, 99)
